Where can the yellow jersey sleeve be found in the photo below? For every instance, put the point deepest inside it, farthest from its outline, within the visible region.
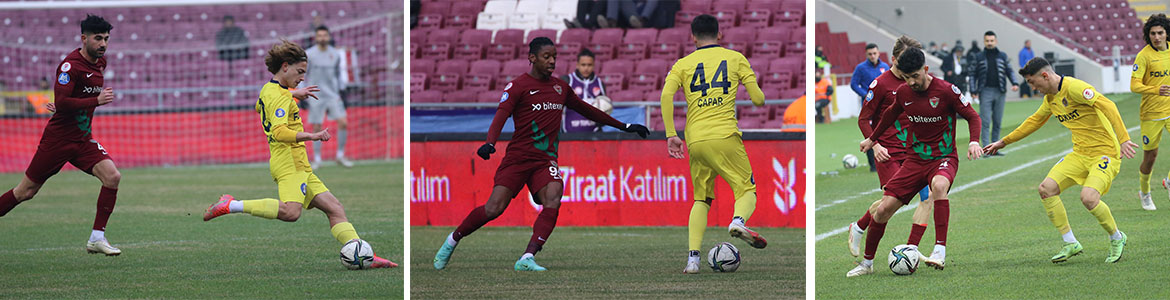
(1080, 91)
(273, 107)
(667, 99)
(746, 75)
(1139, 65)
(1151, 70)
(1031, 124)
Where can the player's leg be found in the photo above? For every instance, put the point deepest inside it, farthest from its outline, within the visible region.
(546, 221)
(1062, 176)
(1151, 136)
(919, 220)
(886, 171)
(24, 191)
(940, 186)
(479, 216)
(291, 188)
(1098, 183)
(703, 182)
(337, 113)
(108, 174)
(881, 215)
(728, 158)
(339, 225)
(46, 162)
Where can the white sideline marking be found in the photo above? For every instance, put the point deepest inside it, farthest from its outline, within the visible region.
(983, 180)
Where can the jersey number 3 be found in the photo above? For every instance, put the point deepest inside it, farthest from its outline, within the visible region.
(699, 80)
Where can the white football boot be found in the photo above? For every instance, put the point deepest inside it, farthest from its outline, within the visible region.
(856, 235)
(692, 265)
(861, 269)
(341, 160)
(102, 246)
(1147, 201)
(937, 258)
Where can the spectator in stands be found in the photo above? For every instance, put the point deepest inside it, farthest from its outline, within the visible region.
(589, 88)
(415, 8)
(588, 11)
(821, 60)
(932, 49)
(639, 14)
(231, 41)
(991, 74)
(824, 95)
(1025, 56)
(944, 51)
(953, 66)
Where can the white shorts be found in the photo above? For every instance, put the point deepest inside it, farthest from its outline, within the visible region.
(318, 107)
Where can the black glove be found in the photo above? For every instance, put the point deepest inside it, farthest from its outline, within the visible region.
(637, 128)
(486, 151)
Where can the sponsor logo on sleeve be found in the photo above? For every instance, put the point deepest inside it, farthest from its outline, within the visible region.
(65, 67)
(869, 96)
(1135, 67)
(956, 90)
(280, 113)
(505, 96)
(1088, 93)
(873, 83)
(63, 78)
(506, 87)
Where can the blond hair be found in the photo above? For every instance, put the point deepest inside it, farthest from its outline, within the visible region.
(902, 44)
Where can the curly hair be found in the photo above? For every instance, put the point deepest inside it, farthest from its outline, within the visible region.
(284, 52)
(1154, 20)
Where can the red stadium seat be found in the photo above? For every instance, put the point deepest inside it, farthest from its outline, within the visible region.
(613, 81)
(666, 51)
(675, 35)
(568, 49)
(632, 51)
(489, 97)
(726, 18)
(734, 5)
(512, 69)
(462, 96)
(644, 81)
(428, 96)
(485, 67)
(430, 21)
(697, 5)
(425, 66)
(548, 33)
(576, 35)
(454, 66)
(418, 82)
(437, 51)
(789, 18)
(619, 66)
(683, 18)
(448, 36)
(756, 18)
(501, 52)
(760, 65)
(510, 36)
(627, 96)
(477, 82)
(444, 82)
(767, 49)
(652, 66)
(468, 51)
(602, 51)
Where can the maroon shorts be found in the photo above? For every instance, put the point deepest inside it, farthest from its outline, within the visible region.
(51, 156)
(916, 173)
(887, 168)
(535, 173)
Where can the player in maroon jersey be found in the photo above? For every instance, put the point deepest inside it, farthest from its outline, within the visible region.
(69, 136)
(536, 102)
(930, 105)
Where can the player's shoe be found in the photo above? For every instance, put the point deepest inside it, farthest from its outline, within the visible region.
(937, 258)
(528, 264)
(219, 208)
(1069, 250)
(861, 269)
(692, 266)
(341, 160)
(856, 235)
(382, 263)
(1115, 247)
(742, 232)
(443, 256)
(1147, 201)
(1166, 183)
(102, 246)
(315, 164)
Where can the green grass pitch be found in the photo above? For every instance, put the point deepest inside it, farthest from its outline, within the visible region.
(1000, 240)
(169, 252)
(604, 262)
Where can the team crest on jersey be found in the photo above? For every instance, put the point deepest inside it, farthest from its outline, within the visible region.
(280, 113)
(956, 90)
(557, 88)
(506, 87)
(873, 83)
(63, 78)
(505, 96)
(868, 96)
(1088, 93)
(934, 102)
(1135, 67)
(66, 66)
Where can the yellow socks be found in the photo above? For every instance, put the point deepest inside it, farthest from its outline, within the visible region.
(1058, 215)
(343, 232)
(1145, 182)
(744, 206)
(698, 223)
(1104, 217)
(264, 208)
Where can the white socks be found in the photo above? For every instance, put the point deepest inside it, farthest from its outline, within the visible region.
(940, 249)
(97, 235)
(451, 240)
(527, 255)
(1069, 238)
(866, 263)
(235, 206)
(1115, 236)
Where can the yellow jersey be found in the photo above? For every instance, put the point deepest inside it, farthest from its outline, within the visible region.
(1151, 70)
(278, 110)
(1092, 119)
(709, 77)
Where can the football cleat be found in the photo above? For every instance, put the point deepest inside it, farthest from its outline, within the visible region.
(1069, 250)
(1166, 183)
(443, 256)
(102, 246)
(861, 269)
(692, 266)
(382, 263)
(219, 208)
(937, 258)
(742, 232)
(528, 264)
(856, 235)
(1115, 247)
(1147, 201)
(341, 160)
(315, 164)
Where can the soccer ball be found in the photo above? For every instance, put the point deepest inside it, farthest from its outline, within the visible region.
(604, 104)
(850, 161)
(904, 259)
(723, 258)
(357, 254)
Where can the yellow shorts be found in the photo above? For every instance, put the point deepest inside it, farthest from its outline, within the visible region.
(1096, 172)
(300, 187)
(1152, 133)
(724, 157)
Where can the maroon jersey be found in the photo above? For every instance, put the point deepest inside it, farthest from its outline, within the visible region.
(78, 84)
(536, 107)
(877, 100)
(931, 116)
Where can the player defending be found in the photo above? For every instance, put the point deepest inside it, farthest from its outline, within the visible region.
(536, 102)
(69, 136)
(890, 151)
(930, 104)
(327, 71)
(299, 188)
(1150, 79)
(1099, 138)
(713, 74)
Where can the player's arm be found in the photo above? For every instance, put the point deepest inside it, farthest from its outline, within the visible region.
(887, 120)
(974, 123)
(1109, 109)
(63, 93)
(674, 144)
(1135, 81)
(507, 104)
(592, 113)
(1030, 125)
(865, 120)
(276, 119)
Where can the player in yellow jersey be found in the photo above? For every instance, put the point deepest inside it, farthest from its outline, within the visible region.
(1151, 79)
(709, 78)
(298, 187)
(1099, 141)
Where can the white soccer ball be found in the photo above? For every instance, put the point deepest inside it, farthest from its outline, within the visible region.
(904, 259)
(723, 258)
(604, 104)
(357, 254)
(850, 161)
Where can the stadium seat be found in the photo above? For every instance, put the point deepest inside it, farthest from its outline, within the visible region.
(619, 66)
(632, 51)
(489, 97)
(462, 14)
(652, 66)
(644, 81)
(683, 18)
(501, 52)
(428, 96)
(548, 33)
(756, 18)
(602, 51)
(461, 96)
(437, 51)
(613, 81)
(626, 95)
(767, 49)
(576, 35)
(665, 51)
(512, 69)
(430, 21)
(444, 82)
(487, 66)
(760, 65)
(448, 36)
(418, 82)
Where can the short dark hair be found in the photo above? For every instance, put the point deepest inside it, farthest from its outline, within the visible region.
(585, 53)
(870, 46)
(320, 28)
(989, 33)
(1034, 66)
(537, 43)
(911, 60)
(705, 26)
(95, 24)
(1154, 20)
(229, 18)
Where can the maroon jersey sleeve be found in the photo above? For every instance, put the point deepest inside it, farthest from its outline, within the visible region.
(963, 108)
(507, 104)
(68, 76)
(887, 119)
(869, 110)
(588, 111)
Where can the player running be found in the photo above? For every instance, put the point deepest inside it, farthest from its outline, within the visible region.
(327, 71)
(713, 74)
(298, 187)
(1099, 139)
(536, 102)
(890, 151)
(69, 135)
(930, 105)
(1151, 79)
